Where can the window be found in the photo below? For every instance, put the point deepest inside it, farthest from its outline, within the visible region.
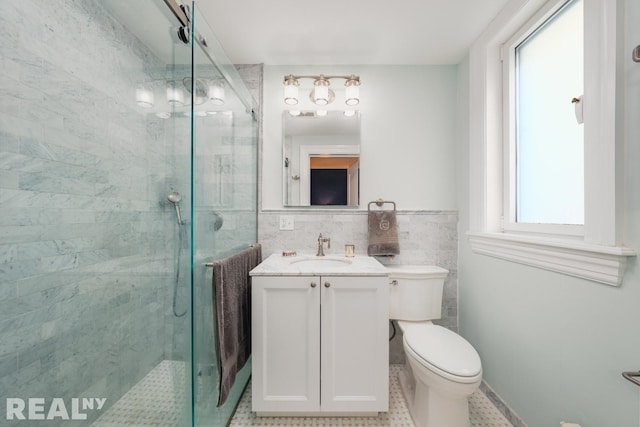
(544, 64)
(544, 190)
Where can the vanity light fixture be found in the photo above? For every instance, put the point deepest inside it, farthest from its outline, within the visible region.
(322, 93)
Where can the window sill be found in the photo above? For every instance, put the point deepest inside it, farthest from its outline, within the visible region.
(603, 264)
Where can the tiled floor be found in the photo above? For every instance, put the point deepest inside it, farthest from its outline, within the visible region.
(153, 402)
(483, 413)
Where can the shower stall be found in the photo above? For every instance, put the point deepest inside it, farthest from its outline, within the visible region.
(128, 161)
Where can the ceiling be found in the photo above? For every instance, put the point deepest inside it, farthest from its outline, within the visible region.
(332, 32)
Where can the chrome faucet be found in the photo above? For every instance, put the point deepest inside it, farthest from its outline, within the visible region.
(321, 241)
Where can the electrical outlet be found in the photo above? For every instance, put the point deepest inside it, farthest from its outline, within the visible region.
(286, 222)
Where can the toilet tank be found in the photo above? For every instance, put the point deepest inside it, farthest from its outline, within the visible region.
(415, 292)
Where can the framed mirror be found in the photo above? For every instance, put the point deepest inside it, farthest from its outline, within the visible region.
(321, 158)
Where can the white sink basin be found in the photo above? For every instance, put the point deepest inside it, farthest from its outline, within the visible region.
(311, 265)
(322, 262)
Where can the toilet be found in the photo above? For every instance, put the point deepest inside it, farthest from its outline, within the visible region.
(441, 369)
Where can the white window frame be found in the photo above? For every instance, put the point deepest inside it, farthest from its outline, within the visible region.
(596, 253)
(508, 58)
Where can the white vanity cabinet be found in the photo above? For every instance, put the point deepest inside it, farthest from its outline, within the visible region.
(320, 345)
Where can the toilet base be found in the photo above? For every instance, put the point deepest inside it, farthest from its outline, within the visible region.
(408, 387)
(430, 409)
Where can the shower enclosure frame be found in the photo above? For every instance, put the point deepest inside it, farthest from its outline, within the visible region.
(244, 131)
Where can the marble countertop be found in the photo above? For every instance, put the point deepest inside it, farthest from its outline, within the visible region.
(311, 265)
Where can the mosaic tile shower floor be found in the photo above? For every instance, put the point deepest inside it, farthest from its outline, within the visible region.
(152, 402)
(156, 400)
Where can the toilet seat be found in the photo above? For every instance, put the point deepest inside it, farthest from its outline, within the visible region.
(443, 351)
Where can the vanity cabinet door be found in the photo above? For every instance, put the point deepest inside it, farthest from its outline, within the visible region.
(355, 347)
(286, 344)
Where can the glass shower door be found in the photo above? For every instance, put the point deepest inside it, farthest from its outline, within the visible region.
(95, 265)
(225, 204)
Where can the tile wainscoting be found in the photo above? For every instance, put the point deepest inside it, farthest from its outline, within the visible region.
(426, 237)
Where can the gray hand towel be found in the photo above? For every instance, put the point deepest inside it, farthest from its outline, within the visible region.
(383, 234)
(232, 300)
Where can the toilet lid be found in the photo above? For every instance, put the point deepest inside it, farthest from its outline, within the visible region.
(443, 349)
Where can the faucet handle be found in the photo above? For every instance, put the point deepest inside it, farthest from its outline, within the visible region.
(328, 242)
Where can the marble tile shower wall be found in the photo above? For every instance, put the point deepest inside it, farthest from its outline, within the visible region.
(426, 237)
(225, 194)
(226, 202)
(227, 174)
(84, 258)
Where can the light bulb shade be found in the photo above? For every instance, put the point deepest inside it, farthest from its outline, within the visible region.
(216, 94)
(352, 92)
(290, 90)
(291, 95)
(320, 93)
(144, 97)
(175, 95)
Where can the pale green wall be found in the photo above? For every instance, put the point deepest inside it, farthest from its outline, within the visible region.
(553, 346)
(407, 132)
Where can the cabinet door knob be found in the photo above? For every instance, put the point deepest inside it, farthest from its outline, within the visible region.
(313, 284)
(327, 284)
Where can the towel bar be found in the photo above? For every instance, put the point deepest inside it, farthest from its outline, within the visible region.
(631, 376)
(234, 251)
(381, 202)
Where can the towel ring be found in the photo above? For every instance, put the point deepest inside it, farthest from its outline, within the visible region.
(381, 202)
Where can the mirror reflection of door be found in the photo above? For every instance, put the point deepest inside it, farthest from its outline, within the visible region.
(327, 157)
(334, 181)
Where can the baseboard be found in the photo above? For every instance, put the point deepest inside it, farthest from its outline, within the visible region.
(508, 413)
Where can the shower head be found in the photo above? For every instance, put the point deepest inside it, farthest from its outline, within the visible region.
(175, 197)
(217, 221)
